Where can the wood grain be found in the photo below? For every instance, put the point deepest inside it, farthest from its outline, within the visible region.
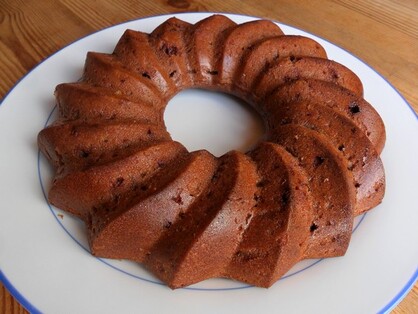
(382, 33)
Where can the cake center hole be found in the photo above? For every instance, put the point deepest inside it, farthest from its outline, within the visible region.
(214, 121)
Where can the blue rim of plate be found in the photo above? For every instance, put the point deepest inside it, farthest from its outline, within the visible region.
(32, 309)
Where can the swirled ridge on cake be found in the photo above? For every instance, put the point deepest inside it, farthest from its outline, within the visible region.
(190, 216)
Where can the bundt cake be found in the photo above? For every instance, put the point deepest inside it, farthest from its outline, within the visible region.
(189, 216)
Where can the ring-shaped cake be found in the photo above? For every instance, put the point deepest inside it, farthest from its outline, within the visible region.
(189, 216)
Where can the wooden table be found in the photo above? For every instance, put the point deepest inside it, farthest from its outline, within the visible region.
(382, 33)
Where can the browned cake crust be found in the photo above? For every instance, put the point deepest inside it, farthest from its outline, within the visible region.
(276, 237)
(118, 236)
(338, 98)
(136, 53)
(106, 71)
(362, 158)
(190, 216)
(83, 102)
(294, 68)
(267, 52)
(331, 185)
(80, 192)
(205, 48)
(77, 145)
(200, 245)
(169, 45)
(238, 42)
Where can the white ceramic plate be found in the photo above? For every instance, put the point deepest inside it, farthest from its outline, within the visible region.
(44, 259)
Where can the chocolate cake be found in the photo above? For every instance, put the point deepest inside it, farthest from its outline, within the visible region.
(189, 216)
